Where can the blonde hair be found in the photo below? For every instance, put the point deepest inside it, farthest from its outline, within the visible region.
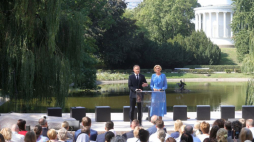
(65, 125)
(136, 131)
(161, 135)
(245, 134)
(182, 129)
(6, 132)
(197, 125)
(52, 134)
(177, 125)
(62, 134)
(156, 67)
(222, 135)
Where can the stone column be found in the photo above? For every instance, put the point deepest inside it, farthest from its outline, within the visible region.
(224, 25)
(217, 20)
(199, 21)
(231, 23)
(211, 29)
(204, 22)
(196, 22)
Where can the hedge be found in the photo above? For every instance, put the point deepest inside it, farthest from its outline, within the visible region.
(197, 71)
(217, 68)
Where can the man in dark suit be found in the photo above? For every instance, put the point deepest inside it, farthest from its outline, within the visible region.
(153, 129)
(136, 83)
(130, 134)
(108, 126)
(44, 124)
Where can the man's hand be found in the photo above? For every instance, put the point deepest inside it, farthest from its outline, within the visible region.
(144, 84)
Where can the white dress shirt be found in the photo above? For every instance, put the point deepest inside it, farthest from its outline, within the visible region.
(15, 137)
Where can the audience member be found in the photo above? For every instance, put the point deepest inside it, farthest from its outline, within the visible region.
(108, 126)
(245, 134)
(118, 138)
(196, 130)
(1, 138)
(82, 137)
(228, 127)
(213, 132)
(52, 135)
(44, 124)
(242, 121)
(86, 121)
(189, 130)
(177, 125)
(181, 131)
(159, 126)
(170, 139)
(222, 135)
(62, 135)
(86, 130)
(38, 133)
(15, 137)
(22, 126)
(161, 135)
(209, 140)
(30, 137)
(130, 134)
(143, 135)
(219, 122)
(204, 126)
(66, 126)
(6, 132)
(109, 135)
(249, 125)
(186, 137)
(236, 128)
(135, 132)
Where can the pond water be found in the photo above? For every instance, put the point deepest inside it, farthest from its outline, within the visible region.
(117, 96)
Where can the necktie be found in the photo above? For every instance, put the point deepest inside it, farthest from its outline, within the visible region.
(137, 77)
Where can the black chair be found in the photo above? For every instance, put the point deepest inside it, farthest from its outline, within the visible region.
(248, 111)
(78, 113)
(203, 112)
(227, 111)
(54, 111)
(102, 113)
(126, 110)
(180, 112)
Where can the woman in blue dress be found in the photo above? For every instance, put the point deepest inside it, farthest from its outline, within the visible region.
(158, 99)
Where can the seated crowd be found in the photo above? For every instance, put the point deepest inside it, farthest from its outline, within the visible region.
(220, 131)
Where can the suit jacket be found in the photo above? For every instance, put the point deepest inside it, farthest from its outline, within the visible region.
(134, 84)
(153, 130)
(128, 135)
(44, 132)
(101, 138)
(93, 134)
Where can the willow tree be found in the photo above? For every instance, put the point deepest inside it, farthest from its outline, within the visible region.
(37, 59)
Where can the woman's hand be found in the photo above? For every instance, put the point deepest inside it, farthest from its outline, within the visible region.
(155, 89)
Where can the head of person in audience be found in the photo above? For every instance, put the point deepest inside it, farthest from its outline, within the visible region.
(222, 135)
(2, 138)
(83, 138)
(159, 124)
(86, 121)
(188, 129)
(236, 128)
(219, 122)
(170, 139)
(177, 125)
(15, 128)
(30, 137)
(227, 125)
(118, 138)
(62, 134)
(143, 135)
(109, 125)
(86, 129)
(52, 134)
(134, 124)
(21, 124)
(43, 122)
(196, 126)
(161, 135)
(186, 137)
(37, 131)
(65, 125)
(243, 122)
(209, 140)
(182, 129)
(246, 134)
(136, 131)
(249, 123)
(213, 132)
(154, 118)
(205, 127)
(6, 132)
(108, 136)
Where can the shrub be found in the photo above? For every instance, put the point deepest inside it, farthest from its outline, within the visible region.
(99, 70)
(217, 68)
(228, 70)
(237, 70)
(168, 70)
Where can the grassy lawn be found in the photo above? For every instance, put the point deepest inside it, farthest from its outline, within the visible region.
(228, 56)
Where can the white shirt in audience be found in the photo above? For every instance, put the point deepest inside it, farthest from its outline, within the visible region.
(154, 137)
(202, 137)
(133, 139)
(15, 137)
(252, 130)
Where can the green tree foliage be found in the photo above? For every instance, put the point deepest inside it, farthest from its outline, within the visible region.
(242, 24)
(43, 48)
(164, 19)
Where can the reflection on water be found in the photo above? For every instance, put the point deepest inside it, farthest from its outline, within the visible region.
(117, 96)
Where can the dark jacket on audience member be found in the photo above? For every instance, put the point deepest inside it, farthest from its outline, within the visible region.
(101, 138)
(44, 131)
(153, 129)
(93, 134)
(128, 135)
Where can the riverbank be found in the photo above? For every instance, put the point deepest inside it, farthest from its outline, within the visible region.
(183, 79)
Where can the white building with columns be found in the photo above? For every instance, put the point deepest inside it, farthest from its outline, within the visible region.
(215, 19)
